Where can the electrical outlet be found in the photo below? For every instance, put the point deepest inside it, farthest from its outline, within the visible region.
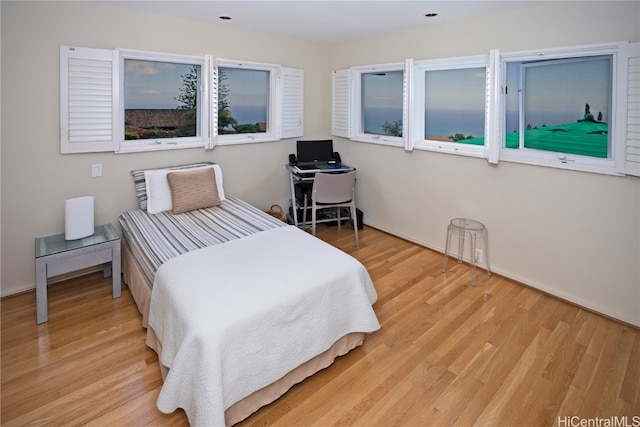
(96, 170)
(479, 255)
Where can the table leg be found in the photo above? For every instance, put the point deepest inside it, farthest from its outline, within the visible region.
(106, 270)
(446, 249)
(472, 257)
(461, 234)
(41, 291)
(486, 250)
(116, 273)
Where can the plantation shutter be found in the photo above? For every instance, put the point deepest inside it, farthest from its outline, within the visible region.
(407, 104)
(88, 100)
(341, 104)
(212, 138)
(632, 135)
(493, 135)
(292, 105)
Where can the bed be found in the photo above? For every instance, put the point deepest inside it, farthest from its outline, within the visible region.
(238, 305)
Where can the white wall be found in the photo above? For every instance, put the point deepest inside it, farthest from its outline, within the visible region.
(573, 234)
(36, 178)
(576, 235)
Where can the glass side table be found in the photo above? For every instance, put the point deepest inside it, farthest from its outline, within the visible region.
(55, 256)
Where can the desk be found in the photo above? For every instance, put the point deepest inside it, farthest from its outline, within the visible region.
(299, 176)
(55, 256)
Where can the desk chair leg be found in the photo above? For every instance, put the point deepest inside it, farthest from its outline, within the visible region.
(313, 220)
(304, 213)
(354, 219)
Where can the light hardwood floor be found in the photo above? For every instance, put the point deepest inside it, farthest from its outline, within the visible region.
(448, 354)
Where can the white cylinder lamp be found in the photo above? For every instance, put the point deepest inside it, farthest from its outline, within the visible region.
(78, 218)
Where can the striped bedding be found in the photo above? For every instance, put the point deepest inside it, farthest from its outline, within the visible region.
(155, 238)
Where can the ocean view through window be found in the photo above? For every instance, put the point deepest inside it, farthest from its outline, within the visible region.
(243, 100)
(454, 105)
(382, 103)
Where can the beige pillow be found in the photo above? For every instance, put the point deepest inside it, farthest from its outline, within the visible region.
(193, 190)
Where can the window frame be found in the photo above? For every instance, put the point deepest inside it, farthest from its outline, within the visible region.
(357, 122)
(202, 140)
(92, 102)
(576, 162)
(418, 125)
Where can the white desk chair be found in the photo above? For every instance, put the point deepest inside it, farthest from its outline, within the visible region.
(333, 190)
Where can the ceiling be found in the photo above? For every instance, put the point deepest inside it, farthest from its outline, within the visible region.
(324, 20)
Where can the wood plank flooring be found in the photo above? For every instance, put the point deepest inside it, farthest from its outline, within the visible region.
(448, 354)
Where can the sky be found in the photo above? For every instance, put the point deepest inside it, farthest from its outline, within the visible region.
(151, 84)
(557, 93)
(248, 88)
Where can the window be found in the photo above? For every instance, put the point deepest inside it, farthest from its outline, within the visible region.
(572, 108)
(370, 104)
(161, 101)
(549, 106)
(164, 101)
(258, 102)
(243, 101)
(128, 101)
(381, 103)
(247, 107)
(561, 107)
(450, 108)
(454, 105)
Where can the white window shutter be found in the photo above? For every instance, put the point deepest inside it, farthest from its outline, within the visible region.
(493, 135)
(341, 104)
(212, 137)
(407, 107)
(632, 136)
(89, 100)
(292, 84)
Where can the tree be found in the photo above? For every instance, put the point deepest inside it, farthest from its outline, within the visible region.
(189, 99)
(392, 128)
(457, 137)
(248, 128)
(225, 119)
(588, 117)
(189, 91)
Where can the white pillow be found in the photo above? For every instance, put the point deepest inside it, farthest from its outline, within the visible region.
(159, 193)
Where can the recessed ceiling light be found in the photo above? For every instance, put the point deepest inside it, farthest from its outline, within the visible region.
(225, 18)
(431, 14)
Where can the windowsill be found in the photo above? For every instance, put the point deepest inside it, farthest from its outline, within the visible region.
(163, 146)
(574, 163)
(451, 148)
(379, 139)
(235, 140)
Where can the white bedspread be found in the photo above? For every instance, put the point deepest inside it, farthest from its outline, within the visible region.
(235, 317)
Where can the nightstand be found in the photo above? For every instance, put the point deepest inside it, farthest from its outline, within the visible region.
(55, 256)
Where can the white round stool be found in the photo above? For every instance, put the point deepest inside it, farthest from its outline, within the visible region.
(464, 226)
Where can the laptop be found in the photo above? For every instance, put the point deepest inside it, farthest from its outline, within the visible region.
(313, 153)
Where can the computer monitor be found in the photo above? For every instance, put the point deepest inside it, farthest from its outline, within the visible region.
(315, 151)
